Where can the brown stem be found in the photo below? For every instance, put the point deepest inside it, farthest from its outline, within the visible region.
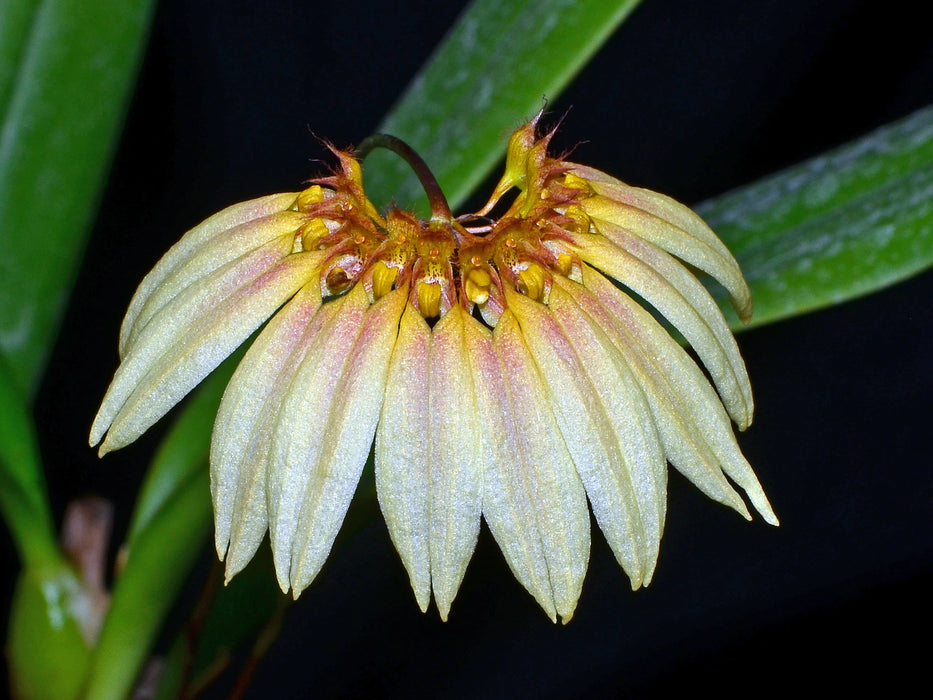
(440, 209)
(264, 640)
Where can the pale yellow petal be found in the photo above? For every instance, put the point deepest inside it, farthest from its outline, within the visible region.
(694, 427)
(347, 439)
(610, 215)
(510, 510)
(454, 459)
(238, 461)
(643, 463)
(587, 432)
(679, 296)
(297, 436)
(189, 243)
(174, 323)
(206, 343)
(548, 474)
(401, 452)
(223, 248)
(655, 203)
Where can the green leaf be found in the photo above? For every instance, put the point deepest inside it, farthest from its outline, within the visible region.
(170, 525)
(155, 569)
(491, 71)
(835, 227)
(23, 499)
(47, 651)
(66, 70)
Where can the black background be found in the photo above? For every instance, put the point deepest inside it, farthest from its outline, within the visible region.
(689, 98)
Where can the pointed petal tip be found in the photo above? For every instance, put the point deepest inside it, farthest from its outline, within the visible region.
(422, 595)
(745, 310)
(764, 509)
(284, 584)
(97, 431)
(566, 611)
(443, 606)
(105, 448)
(221, 544)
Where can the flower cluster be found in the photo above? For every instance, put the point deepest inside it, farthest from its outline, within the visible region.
(501, 365)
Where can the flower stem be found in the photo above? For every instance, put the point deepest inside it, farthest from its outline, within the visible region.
(440, 209)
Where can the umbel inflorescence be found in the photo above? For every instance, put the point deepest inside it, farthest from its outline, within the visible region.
(501, 364)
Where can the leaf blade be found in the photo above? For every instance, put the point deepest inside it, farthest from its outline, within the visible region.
(490, 72)
(837, 226)
(169, 527)
(63, 102)
(23, 498)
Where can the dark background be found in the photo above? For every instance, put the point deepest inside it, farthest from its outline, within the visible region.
(689, 98)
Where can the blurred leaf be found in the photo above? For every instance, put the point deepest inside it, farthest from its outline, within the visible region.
(48, 655)
(23, 499)
(835, 227)
(491, 72)
(158, 564)
(170, 525)
(15, 18)
(66, 71)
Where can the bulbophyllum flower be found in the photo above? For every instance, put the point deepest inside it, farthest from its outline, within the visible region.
(500, 365)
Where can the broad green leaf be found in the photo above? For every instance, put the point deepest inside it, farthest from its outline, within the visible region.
(47, 651)
(170, 525)
(15, 18)
(157, 565)
(491, 72)
(837, 226)
(23, 500)
(66, 70)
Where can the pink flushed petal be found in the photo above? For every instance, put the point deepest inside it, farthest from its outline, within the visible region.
(652, 355)
(222, 249)
(174, 323)
(644, 466)
(551, 478)
(402, 481)
(695, 428)
(194, 239)
(237, 463)
(587, 432)
(655, 203)
(454, 459)
(348, 438)
(206, 344)
(306, 405)
(243, 543)
(509, 506)
(610, 216)
(675, 293)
